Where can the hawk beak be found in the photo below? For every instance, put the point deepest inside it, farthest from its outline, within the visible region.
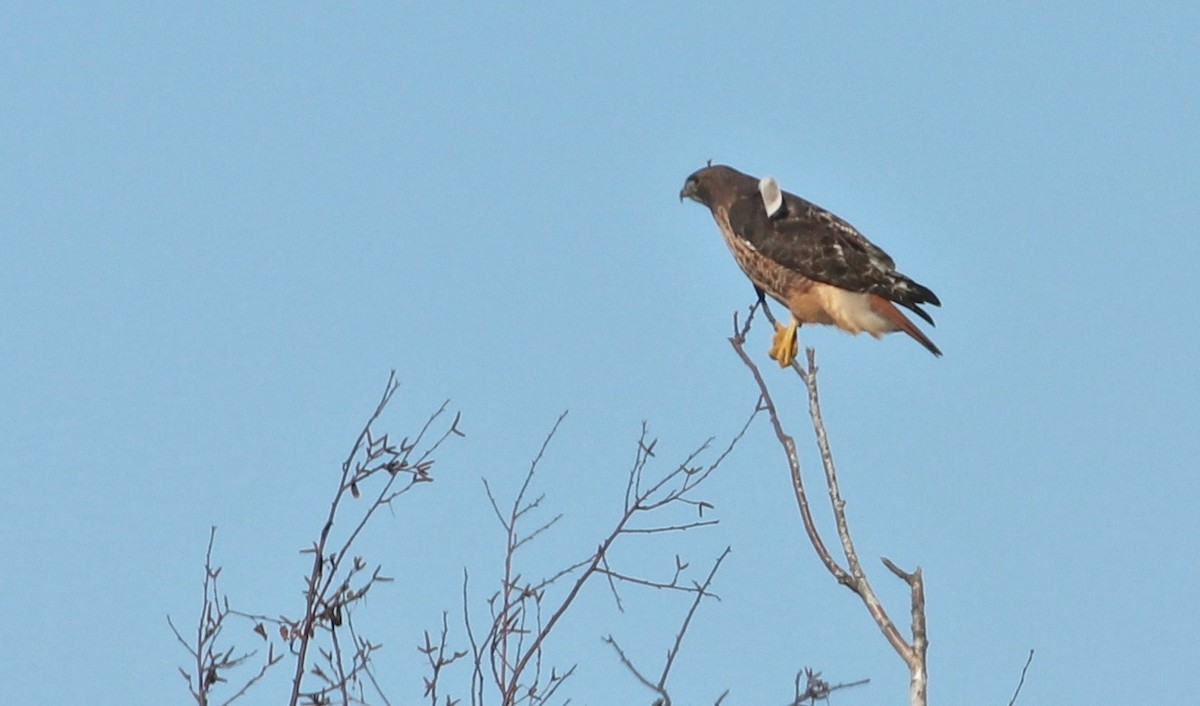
(688, 191)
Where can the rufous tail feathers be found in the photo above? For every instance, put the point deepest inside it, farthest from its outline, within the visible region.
(888, 310)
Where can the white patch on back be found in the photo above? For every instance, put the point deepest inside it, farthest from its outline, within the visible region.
(772, 195)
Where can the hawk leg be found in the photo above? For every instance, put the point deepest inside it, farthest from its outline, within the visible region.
(783, 345)
(761, 294)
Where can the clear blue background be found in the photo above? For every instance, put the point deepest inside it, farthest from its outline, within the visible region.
(221, 227)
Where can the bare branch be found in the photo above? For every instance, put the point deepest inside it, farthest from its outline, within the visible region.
(789, 446)
(669, 528)
(660, 687)
(853, 576)
(495, 508)
(1021, 683)
(817, 689)
(537, 531)
(612, 585)
(476, 648)
(701, 592)
(211, 662)
(666, 700)
(523, 616)
(435, 654)
(672, 585)
(338, 580)
(517, 512)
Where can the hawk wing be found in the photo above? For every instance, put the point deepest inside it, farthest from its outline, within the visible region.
(807, 239)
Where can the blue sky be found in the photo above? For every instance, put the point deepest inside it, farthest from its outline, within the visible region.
(221, 227)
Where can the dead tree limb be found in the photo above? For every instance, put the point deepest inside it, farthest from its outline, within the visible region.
(852, 575)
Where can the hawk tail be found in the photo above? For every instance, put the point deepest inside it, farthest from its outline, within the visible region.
(888, 310)
(925, 295)
(916, 309)
(911, 296)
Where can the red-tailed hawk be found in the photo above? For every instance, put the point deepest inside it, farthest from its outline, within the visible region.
(814, 263)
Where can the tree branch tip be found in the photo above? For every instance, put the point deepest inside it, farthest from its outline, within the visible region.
(1021, 683)
(915, 575)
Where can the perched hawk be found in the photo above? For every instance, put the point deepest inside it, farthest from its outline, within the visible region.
(814, 263)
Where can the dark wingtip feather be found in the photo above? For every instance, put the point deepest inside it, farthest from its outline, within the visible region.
(916, 309)
(925, 295)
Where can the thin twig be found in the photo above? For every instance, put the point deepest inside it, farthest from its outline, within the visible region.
(637, 674)
(651, 584)
(513, 646)
(670, 528)
(212, 663)
(701, 592)
(1021, 683)
(660, 687)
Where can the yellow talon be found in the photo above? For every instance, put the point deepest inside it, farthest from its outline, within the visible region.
(784, 345)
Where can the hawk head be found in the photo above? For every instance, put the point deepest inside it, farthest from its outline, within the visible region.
(716, 185)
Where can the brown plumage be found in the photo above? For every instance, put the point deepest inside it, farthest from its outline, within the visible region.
(814, 263)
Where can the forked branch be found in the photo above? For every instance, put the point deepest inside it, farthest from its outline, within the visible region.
(852, 575)
(524, 612)
(212, 662)
(660, 686)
